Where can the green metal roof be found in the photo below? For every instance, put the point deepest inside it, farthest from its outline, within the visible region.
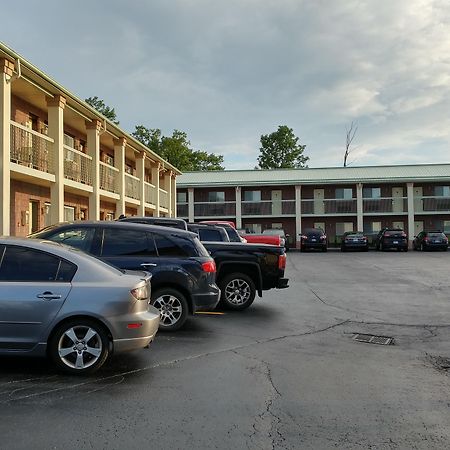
(327, 175)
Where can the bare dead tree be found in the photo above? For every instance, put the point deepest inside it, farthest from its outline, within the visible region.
(350, 135)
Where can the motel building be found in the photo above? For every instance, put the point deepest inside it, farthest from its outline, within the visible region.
(337, 199)
(62, 160)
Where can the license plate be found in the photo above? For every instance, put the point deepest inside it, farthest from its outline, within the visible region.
(313, 240)
(395, 242)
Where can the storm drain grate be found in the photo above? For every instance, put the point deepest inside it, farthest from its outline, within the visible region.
(372, 339)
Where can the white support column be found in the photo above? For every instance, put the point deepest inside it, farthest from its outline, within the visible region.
(191, 209)
(93, 147)
(173, 202)
(238, 207)
(140, 169)
(155, 182)
(298, 215)
(168, 188)
(6, 72)
(56, 107)
(411, 212)
(359, 207)
(119, 163)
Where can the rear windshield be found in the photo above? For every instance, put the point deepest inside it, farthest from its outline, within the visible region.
(210, 235)
(435, 235)
(314, 232)
(233, 235)
(393, 233)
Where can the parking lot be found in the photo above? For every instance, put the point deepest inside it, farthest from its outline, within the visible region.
(286, 373)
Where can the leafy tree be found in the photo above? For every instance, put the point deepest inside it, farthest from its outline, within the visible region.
(281, 150)
(100, 106)
(177, 150)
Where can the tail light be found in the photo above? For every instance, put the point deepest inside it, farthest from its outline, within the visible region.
(209, 266)
(140, 293)
(304, 238)
(282, 262)
(364, 238)
(403, 234)
(323, 237)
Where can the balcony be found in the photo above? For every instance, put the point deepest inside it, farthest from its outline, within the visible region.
(132, 184)
(182, 210)
(77, 166)
(268, 208)
(150, 193)
(432, 204)
(213, 209)
(108, 177)
(390, 205)
(31, 149)
(333, 206)
(163, 198)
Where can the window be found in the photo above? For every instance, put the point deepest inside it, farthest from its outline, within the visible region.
(372, 227)
(446, 226)
(109, 216)
(216, 196)
(69, 141)
(342, 227)
(80, 238)
(109, 159)
(344, 193)
(123, 242)
(181, 197)
(253, 228)
(173, 246)
(69, 214)
(442, 191)
(252, 196)
(372, 192)
(24, 264)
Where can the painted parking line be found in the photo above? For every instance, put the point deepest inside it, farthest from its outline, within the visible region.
(211, 313)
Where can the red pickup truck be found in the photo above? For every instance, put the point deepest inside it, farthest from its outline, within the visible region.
(263, 239)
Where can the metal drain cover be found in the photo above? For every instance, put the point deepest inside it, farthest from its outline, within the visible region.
(372, 339)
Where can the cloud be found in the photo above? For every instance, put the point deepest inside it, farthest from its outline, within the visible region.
(227, 72)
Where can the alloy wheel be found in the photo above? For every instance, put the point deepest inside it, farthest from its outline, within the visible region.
(170, 309)
(237, 291)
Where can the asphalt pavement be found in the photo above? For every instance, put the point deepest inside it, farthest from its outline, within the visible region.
(285, 374)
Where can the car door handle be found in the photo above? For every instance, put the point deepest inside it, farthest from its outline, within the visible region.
(148, 265)
(49, 296)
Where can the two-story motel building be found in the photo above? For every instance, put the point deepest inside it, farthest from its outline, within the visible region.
(337, 199)
(62, 160)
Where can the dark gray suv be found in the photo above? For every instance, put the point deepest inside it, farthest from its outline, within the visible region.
(183, 272)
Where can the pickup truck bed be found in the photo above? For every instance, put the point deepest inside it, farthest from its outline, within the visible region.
(246, 269)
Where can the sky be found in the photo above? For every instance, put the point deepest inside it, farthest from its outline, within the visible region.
(226, 72)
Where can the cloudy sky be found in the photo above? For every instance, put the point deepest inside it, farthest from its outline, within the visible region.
(228, 71)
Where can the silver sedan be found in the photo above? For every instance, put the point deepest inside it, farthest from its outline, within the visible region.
(59, 301)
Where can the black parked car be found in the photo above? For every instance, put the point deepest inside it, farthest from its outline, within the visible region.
(353, 240)
(313, 238)
(428, 240)
(160, 221)
(183, 272)
(209, 233)
(231, 231)
(391, 238)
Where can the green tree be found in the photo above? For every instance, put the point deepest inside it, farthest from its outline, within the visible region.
(281, 150)
(100, 106)
(177, 150)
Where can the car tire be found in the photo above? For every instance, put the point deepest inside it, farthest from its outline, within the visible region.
(405, 249)
(422, 248)
(324, 249)
(172, 306)
(238, 291)
(343, 249)
(79, 346)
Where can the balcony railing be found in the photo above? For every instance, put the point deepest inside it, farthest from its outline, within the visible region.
(182, 210)
(31, 149)
(320, 207)
(268, 208)
(163, 198)
(222, 209)
(132, 186)
(385, 205)
(77, 166)
(432, 204)
(108, 177)
(150, 193)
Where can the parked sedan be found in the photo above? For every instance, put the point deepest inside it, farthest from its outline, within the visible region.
(428, 240)
(354, 240)
(183, 272)
(313, 238)
(389, 238)
(59, 301)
